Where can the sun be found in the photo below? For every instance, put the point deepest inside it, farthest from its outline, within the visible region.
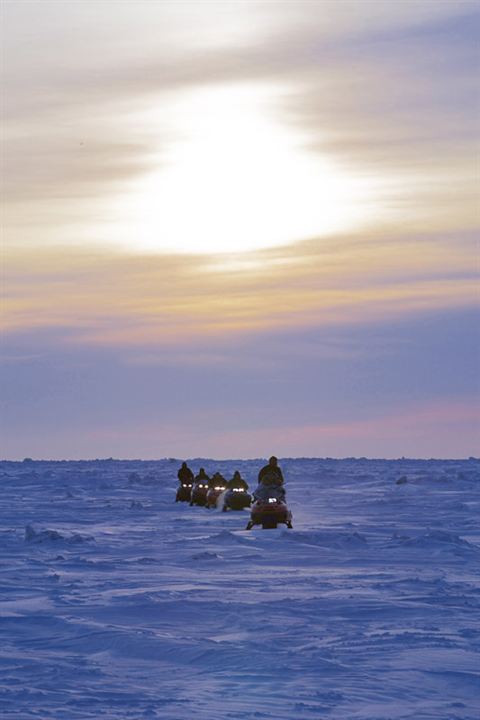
(228, 176)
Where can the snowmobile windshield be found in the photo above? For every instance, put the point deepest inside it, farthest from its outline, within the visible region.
(269, 492)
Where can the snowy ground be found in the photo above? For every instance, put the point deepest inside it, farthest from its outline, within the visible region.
(118, 603)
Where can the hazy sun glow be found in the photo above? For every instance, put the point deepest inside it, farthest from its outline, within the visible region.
(227, 176)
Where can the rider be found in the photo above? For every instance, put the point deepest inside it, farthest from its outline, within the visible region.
(270, 480)
(237, 482)
(185, 475)
(271, 474)
(217, 480)
(202, 477)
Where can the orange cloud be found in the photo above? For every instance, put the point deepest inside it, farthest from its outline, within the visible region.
(106, 298)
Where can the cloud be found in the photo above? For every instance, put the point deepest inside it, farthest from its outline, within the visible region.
(350, 389)
(376, 322)
(117, 299)
(420, 431)
(386, 89)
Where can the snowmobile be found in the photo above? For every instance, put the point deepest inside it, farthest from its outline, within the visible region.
(184, 492)
(213, 494)
(269, 508)
(199, 493)
(236, 499)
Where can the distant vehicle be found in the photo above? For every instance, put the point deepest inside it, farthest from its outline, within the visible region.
(214, 493)
(236, 499)
(184, 492)
(199, 493)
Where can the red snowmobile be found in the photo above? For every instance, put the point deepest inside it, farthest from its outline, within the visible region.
(269, 508)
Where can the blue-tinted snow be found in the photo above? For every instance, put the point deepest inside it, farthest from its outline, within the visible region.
(118, 603)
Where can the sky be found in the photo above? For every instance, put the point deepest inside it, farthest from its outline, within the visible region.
(237, 228)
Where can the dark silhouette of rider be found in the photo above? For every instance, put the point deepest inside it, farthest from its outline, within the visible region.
(185, 475)
(202, 477)
(217, 480)
(271, 474)
(237, 482)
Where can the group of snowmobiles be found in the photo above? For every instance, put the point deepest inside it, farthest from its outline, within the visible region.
(267, 504)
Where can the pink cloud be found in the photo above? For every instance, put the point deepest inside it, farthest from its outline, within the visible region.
(453, 426)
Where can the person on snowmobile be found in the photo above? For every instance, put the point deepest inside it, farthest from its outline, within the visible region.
(270, 482)
(217, 480)
(237, 482)
(271, 474)
(185, 475)
(202, 477)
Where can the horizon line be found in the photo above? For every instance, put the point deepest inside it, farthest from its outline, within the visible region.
(362, 458)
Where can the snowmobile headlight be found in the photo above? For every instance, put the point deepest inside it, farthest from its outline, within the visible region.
(272, 500)
(237, 489)
(217, 487)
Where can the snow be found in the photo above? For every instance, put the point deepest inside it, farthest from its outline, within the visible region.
(116, 602)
